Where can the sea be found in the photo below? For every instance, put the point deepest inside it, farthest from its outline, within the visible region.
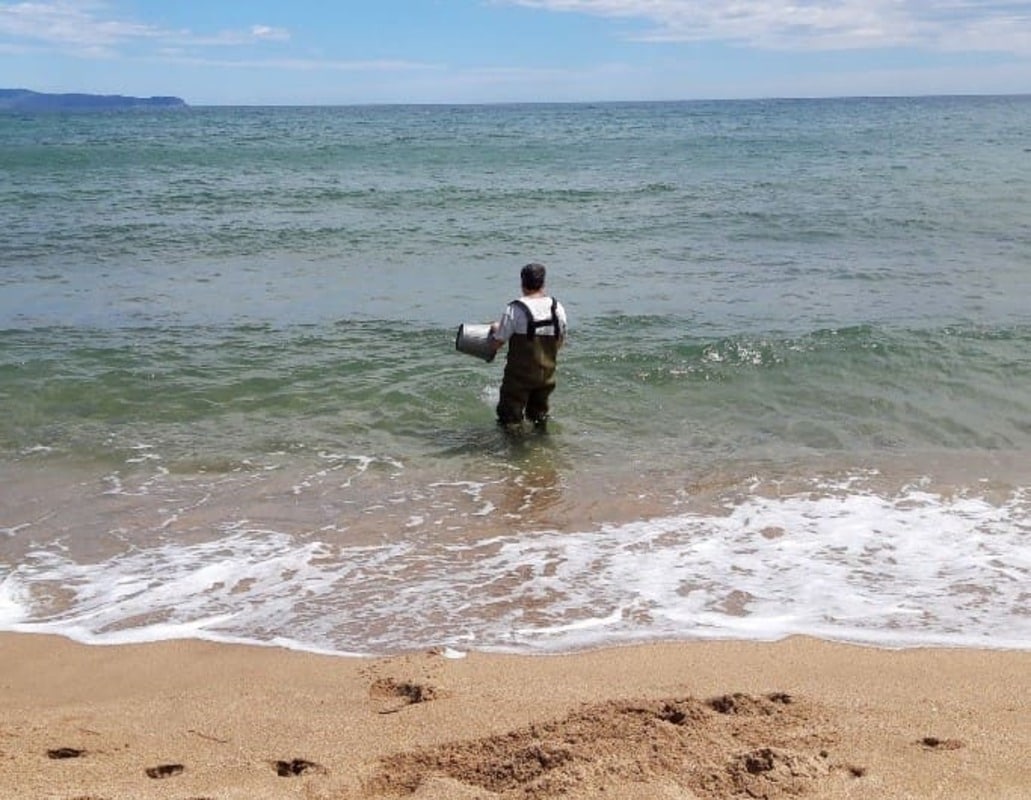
(795, 397)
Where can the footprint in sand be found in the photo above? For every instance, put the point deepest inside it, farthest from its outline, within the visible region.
(65, 752)
(934, 743)
(739, 704)
(397, 695)
(296, 767)
(164, 770)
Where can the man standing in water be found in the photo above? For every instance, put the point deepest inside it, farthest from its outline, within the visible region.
(534, 326)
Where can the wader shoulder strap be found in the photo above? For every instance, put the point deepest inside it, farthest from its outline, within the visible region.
(533, 324)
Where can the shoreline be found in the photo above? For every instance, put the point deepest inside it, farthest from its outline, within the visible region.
(357, 556)
(793, 718)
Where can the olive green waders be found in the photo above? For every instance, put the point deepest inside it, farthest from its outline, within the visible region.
(529, 379)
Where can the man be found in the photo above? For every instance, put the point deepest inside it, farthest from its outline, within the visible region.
(534, 327)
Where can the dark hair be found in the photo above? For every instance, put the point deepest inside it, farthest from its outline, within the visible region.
(532, 276)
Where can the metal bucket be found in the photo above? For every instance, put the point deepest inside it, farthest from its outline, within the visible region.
(475, 340)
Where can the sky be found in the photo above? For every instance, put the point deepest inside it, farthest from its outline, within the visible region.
(320, 52)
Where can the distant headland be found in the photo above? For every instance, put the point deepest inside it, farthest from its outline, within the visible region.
(25, 100)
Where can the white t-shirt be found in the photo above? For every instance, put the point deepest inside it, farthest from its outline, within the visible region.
(513, 320)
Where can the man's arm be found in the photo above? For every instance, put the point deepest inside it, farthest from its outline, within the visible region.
(501, 330)
(495, 342)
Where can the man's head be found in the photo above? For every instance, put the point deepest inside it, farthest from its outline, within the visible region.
(532, 277)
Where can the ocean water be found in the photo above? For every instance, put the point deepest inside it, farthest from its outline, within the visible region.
(796, 397)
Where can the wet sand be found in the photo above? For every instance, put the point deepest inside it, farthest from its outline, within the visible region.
(796, 718)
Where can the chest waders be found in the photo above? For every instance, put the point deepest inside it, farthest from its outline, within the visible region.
(529, 369)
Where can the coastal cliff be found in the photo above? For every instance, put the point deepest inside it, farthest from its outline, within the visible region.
(26, 100)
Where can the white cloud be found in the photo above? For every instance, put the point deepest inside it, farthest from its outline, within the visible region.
(819, 24)
(85, 25)
(256, 33)
(67, 23)
(265, 32)
(300, 64)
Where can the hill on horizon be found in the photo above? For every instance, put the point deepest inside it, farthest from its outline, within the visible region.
(27, 100)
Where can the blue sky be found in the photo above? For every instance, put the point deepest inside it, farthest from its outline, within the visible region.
(441, 51)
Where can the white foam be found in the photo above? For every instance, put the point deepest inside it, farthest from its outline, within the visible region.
(587, 624)
(840, 562)
(36, 449)
(13, 603)
(490, 394)
(358, 464)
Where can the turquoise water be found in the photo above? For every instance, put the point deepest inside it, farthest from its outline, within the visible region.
(797, 378)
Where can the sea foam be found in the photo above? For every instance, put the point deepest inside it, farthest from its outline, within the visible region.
(911, 569)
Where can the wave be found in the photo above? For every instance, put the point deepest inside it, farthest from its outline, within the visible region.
(233, 388)
(835, 560)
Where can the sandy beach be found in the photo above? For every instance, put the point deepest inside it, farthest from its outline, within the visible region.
(796, 718)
